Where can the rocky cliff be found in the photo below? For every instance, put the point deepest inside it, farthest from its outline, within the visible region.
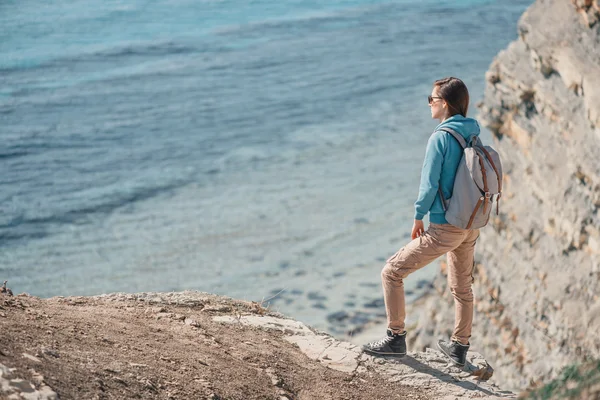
(192, 345)
(536, 282)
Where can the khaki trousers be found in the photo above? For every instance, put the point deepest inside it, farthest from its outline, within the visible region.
(436, 241)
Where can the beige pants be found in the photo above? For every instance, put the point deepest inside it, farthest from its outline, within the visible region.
(436, 241)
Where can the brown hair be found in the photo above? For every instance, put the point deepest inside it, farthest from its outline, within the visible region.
(455, 94)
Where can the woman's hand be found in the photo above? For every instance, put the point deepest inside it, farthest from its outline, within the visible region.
(418, 229)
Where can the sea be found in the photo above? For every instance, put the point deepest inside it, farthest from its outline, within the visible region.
(264, 150)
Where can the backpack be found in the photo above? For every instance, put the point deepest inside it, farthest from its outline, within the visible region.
(477, 185)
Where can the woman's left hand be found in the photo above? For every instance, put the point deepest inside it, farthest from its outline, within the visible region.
(418, 229)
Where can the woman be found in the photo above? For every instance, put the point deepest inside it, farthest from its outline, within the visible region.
(449, 101)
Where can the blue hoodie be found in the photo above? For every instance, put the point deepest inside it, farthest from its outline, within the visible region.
(442, 157)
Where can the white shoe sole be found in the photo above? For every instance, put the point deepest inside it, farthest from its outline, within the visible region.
(377, 353)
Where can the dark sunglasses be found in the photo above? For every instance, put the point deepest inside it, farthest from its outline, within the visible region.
(430, 98)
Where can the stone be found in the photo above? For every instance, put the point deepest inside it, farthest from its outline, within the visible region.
(37, 378)
(268, 322)
(32, 358)
(136, 365)
(337, 316)
(50, 352)
(376, 303)
(192, 322)
(316, 296)
(275, 380)
(217, 308)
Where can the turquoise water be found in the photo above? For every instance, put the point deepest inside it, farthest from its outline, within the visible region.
(257, 149)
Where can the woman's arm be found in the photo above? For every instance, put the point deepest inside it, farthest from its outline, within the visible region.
(430, 174)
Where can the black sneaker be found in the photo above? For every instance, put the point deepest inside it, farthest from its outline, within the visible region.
(457, 352)
(394, 344)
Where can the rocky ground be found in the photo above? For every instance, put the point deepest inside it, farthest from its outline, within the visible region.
(195, 345)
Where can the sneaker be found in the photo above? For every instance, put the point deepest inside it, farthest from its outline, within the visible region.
(393, 344)
(456, 351)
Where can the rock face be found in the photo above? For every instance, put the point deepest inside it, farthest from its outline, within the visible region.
(537, 279)
(429, 371)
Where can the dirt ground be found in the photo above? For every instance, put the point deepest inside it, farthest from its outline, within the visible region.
(118, 348)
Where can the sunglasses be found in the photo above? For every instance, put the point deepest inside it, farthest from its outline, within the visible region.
(430, 98)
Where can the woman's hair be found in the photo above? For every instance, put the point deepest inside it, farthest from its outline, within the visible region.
(455, 94)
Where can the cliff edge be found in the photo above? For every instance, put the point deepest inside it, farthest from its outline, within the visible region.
(537, 278)
(192, 345)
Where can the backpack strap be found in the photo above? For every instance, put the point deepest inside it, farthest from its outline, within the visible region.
(459, 138)
(489, 157)
(474, 141)
(463, 143)
(486, 190)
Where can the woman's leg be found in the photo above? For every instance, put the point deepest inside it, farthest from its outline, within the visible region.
(460, 280)
(437, 240)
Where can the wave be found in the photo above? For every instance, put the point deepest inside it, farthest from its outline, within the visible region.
(21, 227)
(162, 49)
(147, 49)
(284, 22)
(13, 154)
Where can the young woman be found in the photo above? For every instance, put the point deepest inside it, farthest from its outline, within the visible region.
(449, 101)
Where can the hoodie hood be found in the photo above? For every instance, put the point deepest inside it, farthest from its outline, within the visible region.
(467, 127)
